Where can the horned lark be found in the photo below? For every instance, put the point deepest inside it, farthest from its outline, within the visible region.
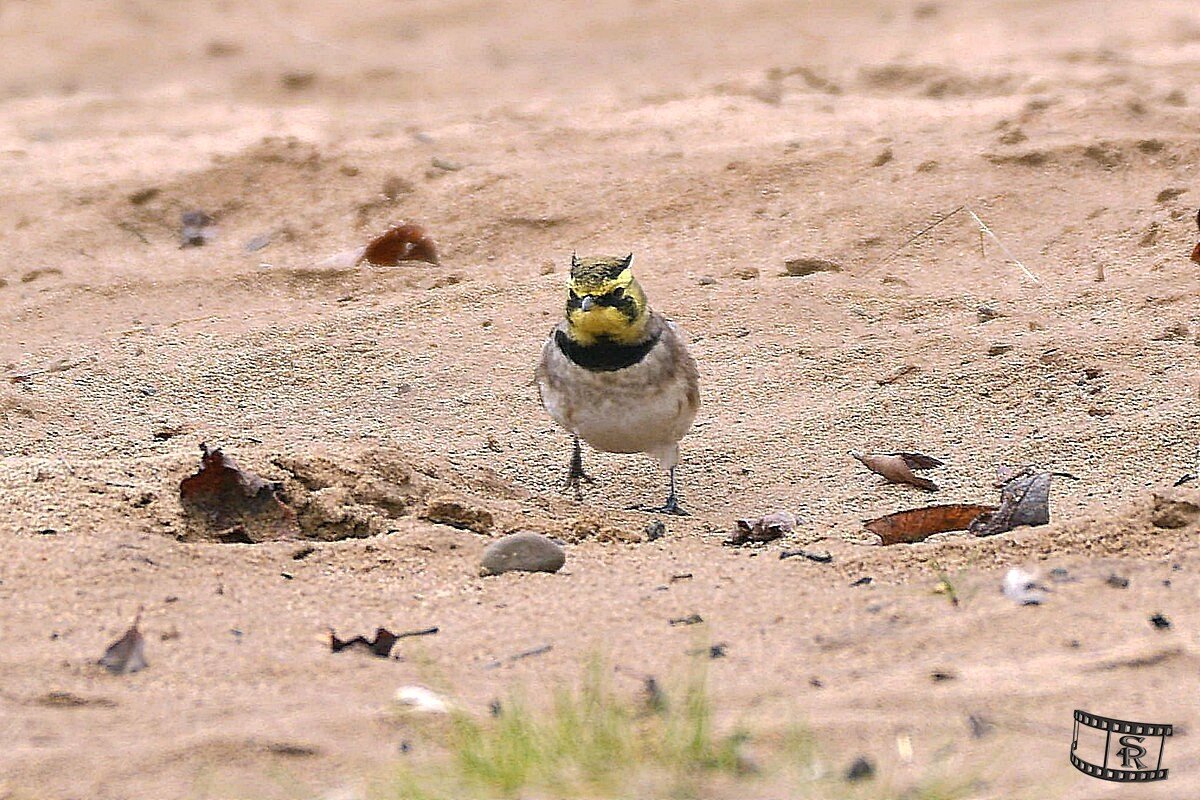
(616, 374)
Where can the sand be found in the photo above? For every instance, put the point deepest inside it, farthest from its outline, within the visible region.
(716, 143)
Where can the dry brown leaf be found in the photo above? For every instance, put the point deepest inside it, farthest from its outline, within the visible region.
(401, 243)
(764, 529)
(906, 527)
(127, 654)
(229, 498)
(898, 467)
(1024, 500)
(1196, 250)
(380, 646)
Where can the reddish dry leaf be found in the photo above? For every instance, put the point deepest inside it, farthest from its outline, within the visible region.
(235, 501)
(898, 467)
(1196, 253)
(401, 243)
(127, 654)
(906, 527)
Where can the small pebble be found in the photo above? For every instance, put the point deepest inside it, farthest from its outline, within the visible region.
(987, 313)
(196, 228)
(524, 551)
(1117, 582)
(1060, 575)
(1161, 622)
(418, 698)
(257, 243)
(862, 769)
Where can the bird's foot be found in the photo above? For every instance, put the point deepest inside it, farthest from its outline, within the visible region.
(670, 507)
(575, 481)
(576, 475)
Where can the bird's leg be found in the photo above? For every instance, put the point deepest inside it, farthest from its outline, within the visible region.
(672, 504)
(576, 473)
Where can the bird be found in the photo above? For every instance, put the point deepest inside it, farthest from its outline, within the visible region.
(617, 374)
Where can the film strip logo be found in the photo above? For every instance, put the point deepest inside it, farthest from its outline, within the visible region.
(1129, 752)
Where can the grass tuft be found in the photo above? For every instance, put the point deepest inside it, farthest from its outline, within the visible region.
(586, 741)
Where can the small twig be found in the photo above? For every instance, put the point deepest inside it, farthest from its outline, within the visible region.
(985, 229)
(60, 366)
(888, 380)
(128, 227)
(921, 233)
(537, 651)
(422, 632)
(820, 558)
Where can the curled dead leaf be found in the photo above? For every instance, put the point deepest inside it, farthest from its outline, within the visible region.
(127, 654)
(918, 524)
(899, 467)
(380, 646)
(405, 242)
(764, 529)
(1024, 500)
(236, 503)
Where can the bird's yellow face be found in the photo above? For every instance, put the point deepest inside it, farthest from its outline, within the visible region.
(605, 302)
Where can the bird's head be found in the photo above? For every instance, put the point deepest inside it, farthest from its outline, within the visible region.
(604, 301)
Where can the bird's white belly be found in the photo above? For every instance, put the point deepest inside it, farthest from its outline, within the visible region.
(618, 413)
(633, 425)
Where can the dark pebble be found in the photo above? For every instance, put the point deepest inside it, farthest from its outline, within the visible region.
(861, 770)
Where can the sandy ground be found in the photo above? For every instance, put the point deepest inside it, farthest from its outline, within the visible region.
(715, 141)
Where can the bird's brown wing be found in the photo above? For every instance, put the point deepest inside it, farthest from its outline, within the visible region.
(919, 460)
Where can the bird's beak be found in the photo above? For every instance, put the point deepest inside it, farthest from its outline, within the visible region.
(587, 303)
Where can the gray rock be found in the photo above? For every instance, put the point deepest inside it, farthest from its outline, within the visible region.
(524, 552)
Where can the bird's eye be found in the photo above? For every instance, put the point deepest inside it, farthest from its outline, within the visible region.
(618, 293)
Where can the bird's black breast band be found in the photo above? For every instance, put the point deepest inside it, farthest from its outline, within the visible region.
(606, 355)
